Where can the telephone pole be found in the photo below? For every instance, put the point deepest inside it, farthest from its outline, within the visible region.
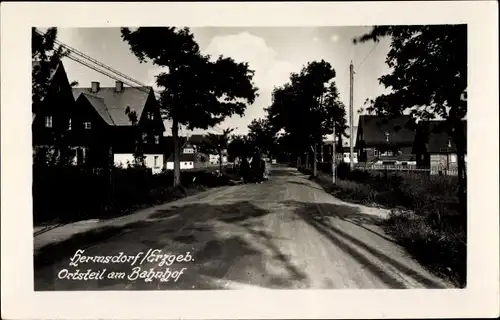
(351, 116)
(334, 174)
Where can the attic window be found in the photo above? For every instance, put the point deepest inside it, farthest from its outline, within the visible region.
(87, 125)
(157, 139)
(387, 136)
(449, 143)
(150, 116)
(69, 124)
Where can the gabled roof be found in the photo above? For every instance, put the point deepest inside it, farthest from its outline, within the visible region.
(401, 129)
(437, 138)
(111, 105)
(184, 157)
(197, 139)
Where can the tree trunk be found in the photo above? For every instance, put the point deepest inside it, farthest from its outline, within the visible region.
(220, 161)
(462, 174)
(177, 153)
(307, 160)
(315, 161)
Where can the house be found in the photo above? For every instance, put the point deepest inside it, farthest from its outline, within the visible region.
(118, 122)
(436, 149)
(187, 161)
(343, 152)
(55, 129)
(386, 140)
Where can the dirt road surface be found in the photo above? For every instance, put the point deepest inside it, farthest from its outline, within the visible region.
(286, 233)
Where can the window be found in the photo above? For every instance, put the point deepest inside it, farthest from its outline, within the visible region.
(387, 136)
(375, 152)
(150, 116)
(155, 161)
(48, 122)
(453, 158)
(87, 125)
(69, 124)
(144, 136)
(449, 143)
(157, 139)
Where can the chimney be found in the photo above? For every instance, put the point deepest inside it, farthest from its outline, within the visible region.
(95, 86)
(119, 86)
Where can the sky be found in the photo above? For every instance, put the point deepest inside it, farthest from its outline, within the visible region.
(273, 52)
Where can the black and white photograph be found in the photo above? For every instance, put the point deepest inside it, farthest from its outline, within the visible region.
(180, 157)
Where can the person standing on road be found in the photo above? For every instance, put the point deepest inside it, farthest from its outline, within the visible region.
(245, 169)
(256, 164)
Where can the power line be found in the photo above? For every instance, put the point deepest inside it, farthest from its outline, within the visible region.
(373, 48)
(114, 73)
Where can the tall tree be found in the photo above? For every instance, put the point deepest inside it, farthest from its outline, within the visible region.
(428, 78)
(196, 91)
(218, 144)
(261, 135)
(238, 147)
(301, 108)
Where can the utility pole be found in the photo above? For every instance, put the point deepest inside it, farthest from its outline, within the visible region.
(334, 173)
(351, 116)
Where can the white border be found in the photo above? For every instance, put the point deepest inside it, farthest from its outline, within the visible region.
(480, 299)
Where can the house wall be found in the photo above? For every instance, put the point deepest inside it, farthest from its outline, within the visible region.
(155, 162)
(123, 158)
(214, 159)
(184, 165)
(444, 163)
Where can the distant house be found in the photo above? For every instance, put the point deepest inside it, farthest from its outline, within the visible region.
(118, 120)
(386, 140)
(56, 130)
(343, 153)
(187, 161)
(435, 148)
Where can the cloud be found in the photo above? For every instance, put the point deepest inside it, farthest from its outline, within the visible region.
(334, 38)
(269, 70)
(245, 47)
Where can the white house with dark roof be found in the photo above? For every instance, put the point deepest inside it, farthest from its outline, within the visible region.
(117, 121)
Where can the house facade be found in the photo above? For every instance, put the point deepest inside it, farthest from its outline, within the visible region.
(120, 123)
(56, 129)
(386, 140)
(343, 150)
(435, 148)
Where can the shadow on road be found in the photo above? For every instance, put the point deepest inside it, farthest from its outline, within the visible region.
(226, 240)
(317, 216)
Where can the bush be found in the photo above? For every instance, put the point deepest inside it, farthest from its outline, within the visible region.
(442, 247)
(73, 193)
(426, 218)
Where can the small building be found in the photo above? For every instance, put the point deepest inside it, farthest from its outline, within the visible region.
(187, 161)
(119, 122)
(386, 140)
(343, 150)
(55, 119)
(436, 149)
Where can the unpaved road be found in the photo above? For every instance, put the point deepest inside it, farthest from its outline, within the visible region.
(286, 233)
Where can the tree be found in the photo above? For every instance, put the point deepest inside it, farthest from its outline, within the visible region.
(196, 91)
(302, 109)
(238, 147)
(139, 157)
(217, 143)
(428, 79)
(262, 136)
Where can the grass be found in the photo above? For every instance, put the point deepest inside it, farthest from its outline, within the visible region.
(425, 214)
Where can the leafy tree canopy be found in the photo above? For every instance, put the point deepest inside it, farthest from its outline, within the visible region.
(428, 70)
(197, 92)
